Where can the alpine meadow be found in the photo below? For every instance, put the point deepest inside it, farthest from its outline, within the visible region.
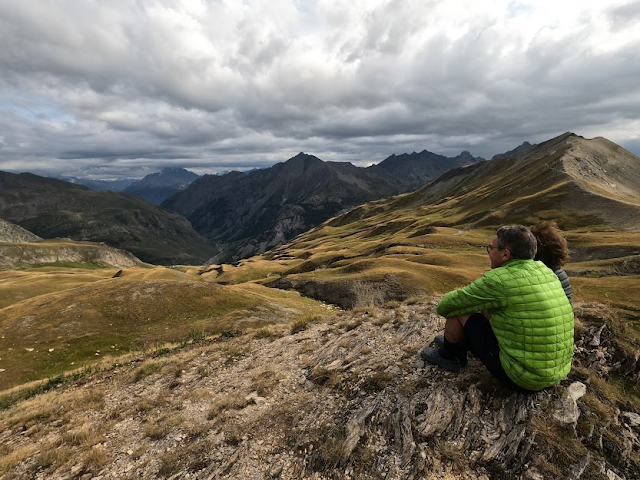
(128, 351)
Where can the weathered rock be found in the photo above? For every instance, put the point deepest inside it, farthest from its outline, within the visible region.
(567, 411)
(633, 419)
(340, 400)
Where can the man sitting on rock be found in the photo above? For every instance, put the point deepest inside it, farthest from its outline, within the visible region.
(516, 318)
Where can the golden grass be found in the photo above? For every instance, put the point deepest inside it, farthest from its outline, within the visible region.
(96, 457)
(15, 457)
(252, 270)
(16, 285)
(83, 436)
(53, 456)
(51, 333)
(621, 292)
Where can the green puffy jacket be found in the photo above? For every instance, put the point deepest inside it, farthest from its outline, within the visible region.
(530, 316)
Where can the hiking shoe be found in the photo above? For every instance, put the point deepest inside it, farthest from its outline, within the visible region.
(438, 341)
(433, 355)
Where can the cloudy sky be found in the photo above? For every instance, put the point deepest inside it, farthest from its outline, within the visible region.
(126, 87)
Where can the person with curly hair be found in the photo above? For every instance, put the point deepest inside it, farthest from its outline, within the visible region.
(553, 251)
(516, 319)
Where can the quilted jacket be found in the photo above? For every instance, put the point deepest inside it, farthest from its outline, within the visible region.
(566, 283)
(530, 316)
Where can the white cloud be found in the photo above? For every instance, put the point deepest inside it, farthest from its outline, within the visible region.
(120, 84)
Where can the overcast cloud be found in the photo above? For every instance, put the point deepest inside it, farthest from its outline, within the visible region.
(126, 87)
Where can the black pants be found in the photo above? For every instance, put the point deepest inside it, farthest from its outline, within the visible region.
(484, 345)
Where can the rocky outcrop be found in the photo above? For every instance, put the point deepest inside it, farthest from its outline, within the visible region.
(20, 255)
(348, 293)
(14, 233)
(345, 399)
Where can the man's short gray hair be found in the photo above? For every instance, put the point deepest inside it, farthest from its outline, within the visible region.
(519, 240)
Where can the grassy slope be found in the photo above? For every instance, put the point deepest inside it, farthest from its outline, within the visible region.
(424, 243)
(60, 320)
(430, 240)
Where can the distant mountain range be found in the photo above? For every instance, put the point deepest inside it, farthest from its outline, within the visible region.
(157, 187)
(522, 148)
(53, 208)
(224, 218)
(116, 185)
(245, 214)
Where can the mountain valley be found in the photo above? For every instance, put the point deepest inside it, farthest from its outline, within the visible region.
(303, 361)
(51, 208)
(247, 214)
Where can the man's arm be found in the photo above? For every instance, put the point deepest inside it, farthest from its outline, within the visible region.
(483, 294)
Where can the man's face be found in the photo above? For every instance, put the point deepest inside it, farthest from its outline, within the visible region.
(498, 256)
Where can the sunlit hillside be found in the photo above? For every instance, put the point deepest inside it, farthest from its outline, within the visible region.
(430, 241)
(252, 371)
(56, 320)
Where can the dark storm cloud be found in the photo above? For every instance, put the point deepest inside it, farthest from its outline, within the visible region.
(119, 87)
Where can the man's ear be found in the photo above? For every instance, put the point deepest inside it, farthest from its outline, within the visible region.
(506, 255)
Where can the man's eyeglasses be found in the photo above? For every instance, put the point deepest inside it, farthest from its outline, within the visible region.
(488, 248)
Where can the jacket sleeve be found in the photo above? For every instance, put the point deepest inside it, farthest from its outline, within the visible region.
(483, 294)
(566, 283)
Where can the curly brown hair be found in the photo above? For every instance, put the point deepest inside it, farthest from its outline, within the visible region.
(553, 250)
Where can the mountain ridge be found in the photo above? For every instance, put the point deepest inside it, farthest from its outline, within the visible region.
(157, 187)
(246, 214)
(52, 208)
(505, 187)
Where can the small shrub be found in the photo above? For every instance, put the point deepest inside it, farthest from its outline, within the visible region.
(377, 382)
(299, 326)
(170, 463)
(330, 451)
(146, 369)
(264, 381)
(263, 333)
(145, 405)
(96, 457)
(302, 324)
(230, 333)
(197, 335)
(52, 456)
(322, 376)
(229, 402)
(85, 436)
